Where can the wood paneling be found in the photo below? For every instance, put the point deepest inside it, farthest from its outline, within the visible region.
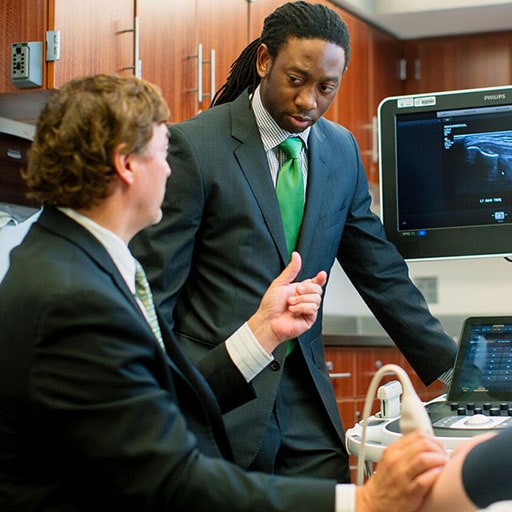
(170, 33)
(20, 21)
(167, 40)
(458, 62)
(91, 38)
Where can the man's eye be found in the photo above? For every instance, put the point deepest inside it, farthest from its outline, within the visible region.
(327, 88)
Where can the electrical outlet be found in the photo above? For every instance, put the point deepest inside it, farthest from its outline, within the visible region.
(27, 64)
(428, 287)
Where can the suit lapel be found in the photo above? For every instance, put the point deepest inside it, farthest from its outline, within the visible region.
(254, 165)
(318, 172)
(252, 160)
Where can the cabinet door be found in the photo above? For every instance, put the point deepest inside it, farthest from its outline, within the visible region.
(458, 62)
(21, 21)
(354, 103)
(91, 38)
(170, 33)
(340, 363)
(384, 80)
(222, 26)
(167, 48)
(258, 11)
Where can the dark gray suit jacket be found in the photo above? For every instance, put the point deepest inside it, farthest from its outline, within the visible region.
(221, 242)
(94, 415)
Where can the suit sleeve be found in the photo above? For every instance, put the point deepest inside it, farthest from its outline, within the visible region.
(381, 276)
(97, 392)
(224, 378)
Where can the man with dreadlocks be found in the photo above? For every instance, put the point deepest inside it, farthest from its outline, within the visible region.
(222, 240)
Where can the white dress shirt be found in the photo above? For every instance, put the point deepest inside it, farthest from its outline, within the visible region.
(12, 233)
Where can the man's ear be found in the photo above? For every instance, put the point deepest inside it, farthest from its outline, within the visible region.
(263, 60)
(123, 164)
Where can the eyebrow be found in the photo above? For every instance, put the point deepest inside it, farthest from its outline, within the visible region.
(303, 72)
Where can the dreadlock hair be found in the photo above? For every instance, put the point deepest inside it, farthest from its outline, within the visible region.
(299, 19)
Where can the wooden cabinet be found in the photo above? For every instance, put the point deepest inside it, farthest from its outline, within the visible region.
(91, 37)
(258, 11)
(458, 62)
(21, 21)
(384, 80)
(170, 34)
(98, 37)
(353, 105)
(167, 39)
(372, 75)
(352, 369)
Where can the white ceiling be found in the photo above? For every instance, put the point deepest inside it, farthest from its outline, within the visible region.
(409, 19)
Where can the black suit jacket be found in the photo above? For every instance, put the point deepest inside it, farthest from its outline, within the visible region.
(94, 415)
(221, 242)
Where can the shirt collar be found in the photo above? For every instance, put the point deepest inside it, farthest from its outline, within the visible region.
(115, 246)
(271, 133)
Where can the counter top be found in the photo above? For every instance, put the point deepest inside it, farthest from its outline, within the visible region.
(365, 331)
(17, 128)
(357, 340)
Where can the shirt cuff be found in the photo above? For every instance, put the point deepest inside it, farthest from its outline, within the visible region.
(246, 352)
(345, 498)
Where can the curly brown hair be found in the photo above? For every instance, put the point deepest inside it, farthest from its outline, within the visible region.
(71, 157)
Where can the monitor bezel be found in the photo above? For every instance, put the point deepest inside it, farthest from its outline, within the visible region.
(456, 393)
(441, 243)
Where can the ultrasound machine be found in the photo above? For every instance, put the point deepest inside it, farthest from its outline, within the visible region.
(446, 193)
(479, 398)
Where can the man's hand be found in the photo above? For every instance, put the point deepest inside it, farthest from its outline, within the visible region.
(405, 474)
(287, 309)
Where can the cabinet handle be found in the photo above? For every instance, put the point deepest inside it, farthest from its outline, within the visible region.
(136, 48)
(137, 63)
(417, 69)
(340, 375)
(336, 375)
(200, 62)
(199, 68)
(375, 140)
(14, 154)
(212, 74)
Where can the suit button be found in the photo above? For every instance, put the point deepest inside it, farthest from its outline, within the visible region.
(275, 366)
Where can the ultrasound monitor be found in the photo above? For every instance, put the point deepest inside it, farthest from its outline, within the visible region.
(446, 173)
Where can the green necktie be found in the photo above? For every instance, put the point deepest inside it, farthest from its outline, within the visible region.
(290, 196)
(290, 191)
(143, 293)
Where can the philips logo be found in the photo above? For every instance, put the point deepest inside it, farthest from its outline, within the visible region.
(488, 97)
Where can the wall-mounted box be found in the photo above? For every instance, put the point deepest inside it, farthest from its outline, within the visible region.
(27, 64)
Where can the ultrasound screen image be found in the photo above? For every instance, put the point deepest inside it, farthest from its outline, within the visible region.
(455, 169)
(483, 162)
